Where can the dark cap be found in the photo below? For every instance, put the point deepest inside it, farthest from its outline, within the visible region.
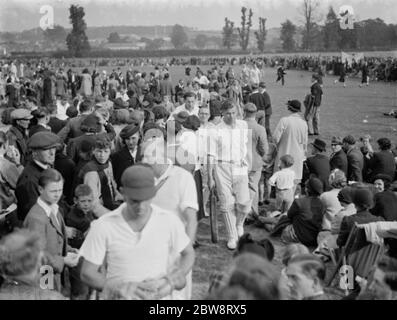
(315, 186)
(319, 145)
(363, 198)
(294, 105)
(91, 124)
(345, 195)
(43, 140)
(129, 131)
(192, 123)
(140, 180)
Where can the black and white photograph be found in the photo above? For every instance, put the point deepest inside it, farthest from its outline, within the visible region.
(206, 151)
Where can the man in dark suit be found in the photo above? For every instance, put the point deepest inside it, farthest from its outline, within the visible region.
(313, 116)
(261, 99)
(355, 159)
(318, 165)
(338, 158)
(43, 145)
(73, 126)
(385, 199)
(129, 153)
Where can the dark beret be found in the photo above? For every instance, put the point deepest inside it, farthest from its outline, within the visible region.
(129, 131)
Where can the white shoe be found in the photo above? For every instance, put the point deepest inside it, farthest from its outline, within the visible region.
(240, 231)
(232, 244)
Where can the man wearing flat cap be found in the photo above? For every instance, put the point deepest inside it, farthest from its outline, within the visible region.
(261, 99)
(318, 164)
(291, 137)
(313, 116)
(136, 242)
(43, 146)
(17, 135)
(129, 153)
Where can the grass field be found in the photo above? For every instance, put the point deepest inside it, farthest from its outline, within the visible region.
(344, 111)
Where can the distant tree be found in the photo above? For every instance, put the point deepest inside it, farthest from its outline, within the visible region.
(332, 31)
(309, 12)
(114, 37)
(154, 44)
(77, 40)
(288, 31)
(261, 34)
(244, 31)
(178, 36)
(228, 32)
(374, 33)
(200, 41)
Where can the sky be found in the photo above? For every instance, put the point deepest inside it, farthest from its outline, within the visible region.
(18, 15)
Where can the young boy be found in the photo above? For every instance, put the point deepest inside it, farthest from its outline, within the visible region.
(45, 219)
(283, 180)
(80, 218)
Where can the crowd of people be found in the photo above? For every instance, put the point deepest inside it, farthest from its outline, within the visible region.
(105, 178)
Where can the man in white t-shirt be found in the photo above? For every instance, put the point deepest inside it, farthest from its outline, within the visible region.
(136, 242)
(190, 106)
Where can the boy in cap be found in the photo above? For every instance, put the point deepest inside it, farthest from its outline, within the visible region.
(355, 159)
(136, 241)
(338, 158)
(43, 147)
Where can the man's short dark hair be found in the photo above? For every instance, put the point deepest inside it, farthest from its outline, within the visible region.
(48, 176)
(189, 95)
(85, 106)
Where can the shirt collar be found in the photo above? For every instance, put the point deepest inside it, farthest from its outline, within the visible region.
(133, 153)
(47, 208)
(165, 174)
(42, 165)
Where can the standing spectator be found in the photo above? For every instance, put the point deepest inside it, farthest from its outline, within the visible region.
(43, 146)
(129, 154)
(42, 118)
(45, 219)
(382, 162)
(61, 87)
(189, 106)
(257, 150)
(318, 164)
(313, 115)
(231, 171)
(355, 159)
(17, 135)
(98, 174)
(67, 168)
(136, 241)
(261, 99)
(166, 87)
(86, 83)
(290, 136)
(338, 158)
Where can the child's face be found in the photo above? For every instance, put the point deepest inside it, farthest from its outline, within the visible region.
(52, 192)
(84, 203)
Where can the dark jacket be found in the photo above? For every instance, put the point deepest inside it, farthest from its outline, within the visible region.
(319, 167)
(18, 139)
(338, 160)
(72, 128)
(121, 160)
(348, 222)
(317, 94)
(261, 101)
(66, 167)
(355, 164)
(27, 190)
(382, 162)
(385, 205)
(306, 215)
(77, 219)
(56, 124)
